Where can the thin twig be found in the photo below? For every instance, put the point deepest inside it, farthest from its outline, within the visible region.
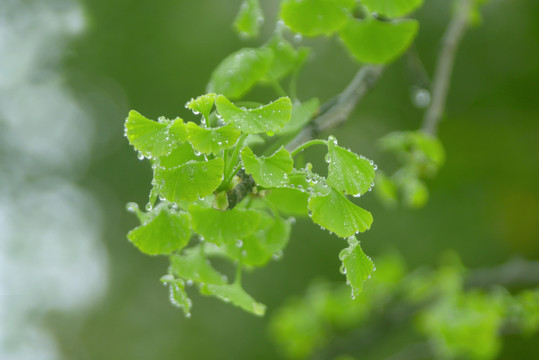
(444, 66)
(336, 111)
(513, 274)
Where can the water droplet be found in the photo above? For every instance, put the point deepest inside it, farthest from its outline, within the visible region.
(420, 97)
(140, 156)
(298, 37)
(270, 133)
(239, 243)
(189, 282)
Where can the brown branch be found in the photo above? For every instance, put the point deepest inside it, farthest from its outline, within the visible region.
(336, 111)
(446, 58)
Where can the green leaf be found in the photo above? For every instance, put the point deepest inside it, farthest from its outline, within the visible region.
(269, 171)
(347, 171)
(193, 265)
(337, 214)
(162, 234)
(269, 240)
(357, 266)
(378, 42)
(235, 294)
(149, 137)
(302, 113)
(220, 227)
(249, 19)
(240, 71)
(316, 17)
(385, 189)
(285, 60)
(181, 154)
(202, 105)
(211, 141)
(415, 192)
(191, 181)
(393, 8)
(177, 295)
(289, 201)
(267, 118)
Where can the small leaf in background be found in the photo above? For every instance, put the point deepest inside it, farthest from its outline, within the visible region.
(415, 193)
(177, 295)
(385, 189)
(285, 58)
(355, 265)
(392, 8)
(193, 265)
(234, 294)
(220, 227)
(269, 171)
(249, 19)
(316, 17)
(181, 154)
(337, 214)
(150, 138)
(267, 118)
(347, 171)
(191, 181)
(240, 71)
(302, 113)
(202, 105)
(378, 42)
(211, 141)
(289, 201)
(164, 233)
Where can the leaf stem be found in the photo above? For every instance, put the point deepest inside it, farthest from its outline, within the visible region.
(233, 160)
(237, 279)
(277, 87)
(306, 145)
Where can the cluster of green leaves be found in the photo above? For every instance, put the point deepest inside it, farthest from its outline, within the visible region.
(460, 323)
(421, 155)
(218, 196)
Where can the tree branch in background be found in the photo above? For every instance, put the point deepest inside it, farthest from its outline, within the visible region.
(336, 111)
(513, 274)
(444, 66)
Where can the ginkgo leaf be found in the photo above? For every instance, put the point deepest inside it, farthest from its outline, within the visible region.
(239, 71)
(269, 171)
(150, 138)
(162, 234)
(392, 8)
(181, 154)
(316, 17)
(211, 141)
(258, 248)
(302, 113)
(357, 266)
(378, 42)
(285, 58)
(190, 181)
(347, 171)
(220, 227)
(267, 118)
(177, 295)
(289, 201)
(202, 104)
(249, 19)
(235, 294)
(193, 265)
(337, 214)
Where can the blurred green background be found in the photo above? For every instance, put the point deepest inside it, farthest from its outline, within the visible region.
(73, 287)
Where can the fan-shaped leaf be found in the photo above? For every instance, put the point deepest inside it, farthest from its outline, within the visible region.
(150, 138)
(356, 265)
(190, 181)
(268, 171)
(337, 214)
(235, 294)
(220, 227)
(162, 234)
(348, 172)
(378, 42)
(212, 140)
(194, 266)
(249, 19)
(202, 104)
(239, 71)
(267, 118)
(316, 17)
